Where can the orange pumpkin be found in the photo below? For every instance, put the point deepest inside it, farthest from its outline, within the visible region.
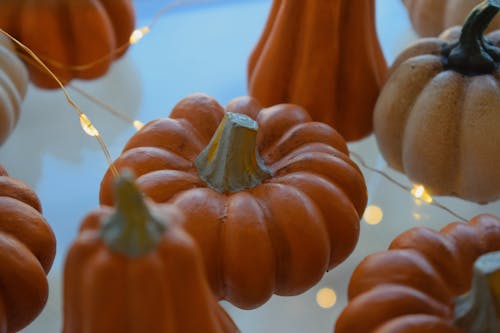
(273, 203)
(414, 285)
(27, 250)
(13, 85)
(437, 118)
(431, 17)
(132, 269)
(76, 39)
(324, 56)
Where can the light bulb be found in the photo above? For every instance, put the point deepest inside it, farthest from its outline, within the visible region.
(419, 192)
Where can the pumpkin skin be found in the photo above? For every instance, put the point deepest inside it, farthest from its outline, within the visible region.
(280, 236)
(161, 288)
(438, 123)
(430, 18)
(411, 286)
(66, 34)
(309, 55)
(13, 85)
(27, 250)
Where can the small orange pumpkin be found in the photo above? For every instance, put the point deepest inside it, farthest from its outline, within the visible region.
(430, 17)
(437, 118)
(271, 197)
(76, 39)
(13, 85)
(413, 286)
(132, 269)
(27, 250)
(324, 56)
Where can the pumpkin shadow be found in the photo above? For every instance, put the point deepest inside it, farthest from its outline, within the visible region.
(49, 127)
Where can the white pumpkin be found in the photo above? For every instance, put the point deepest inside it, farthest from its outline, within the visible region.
(13, 85)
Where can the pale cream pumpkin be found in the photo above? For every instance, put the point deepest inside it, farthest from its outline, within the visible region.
(13, 85)
(437, 118)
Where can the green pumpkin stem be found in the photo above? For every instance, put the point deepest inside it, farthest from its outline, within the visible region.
(473, 54)
(478, 311)
(132, 229)
(231, 162)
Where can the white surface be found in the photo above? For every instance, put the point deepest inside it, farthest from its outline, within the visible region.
(192, 49)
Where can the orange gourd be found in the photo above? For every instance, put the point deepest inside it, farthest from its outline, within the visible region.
(76, 39)
(27, 250)
(133, 270)
(416, 285)
(13, 85)
(430, 17)
(324, 56)
(437, 118)
(271, 197)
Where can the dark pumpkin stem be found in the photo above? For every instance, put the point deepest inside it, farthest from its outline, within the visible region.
(473, 54)
(231, 162)
(132, 229)
(478, 311)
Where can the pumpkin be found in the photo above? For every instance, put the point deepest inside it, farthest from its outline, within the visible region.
(271, 197)
(437, 118)
(324, 56)
(431, 17)
(133, 269)
(419, 284)
(13, 85)
(27, 250)
(75, 39)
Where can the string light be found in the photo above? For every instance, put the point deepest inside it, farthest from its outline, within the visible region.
(136, 36)
(84, 120)
(417, 191)
(85, 123)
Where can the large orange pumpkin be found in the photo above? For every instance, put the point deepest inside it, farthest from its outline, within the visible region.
(133, 269)
(437, 118)
(431, 17)
(69, 35)
(324, 56)
(27, 250)
(273, 203)
(413, 286)
(13, 85)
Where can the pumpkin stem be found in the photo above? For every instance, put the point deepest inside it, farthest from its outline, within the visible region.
(231, 162)
(478, 311)
(473, 54)
(132, 229)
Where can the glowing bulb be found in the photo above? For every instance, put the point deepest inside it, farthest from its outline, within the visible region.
(326, 298)
(87, 126)
(418, 191)
(373, 215)
(138, 34)
(138, 124)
